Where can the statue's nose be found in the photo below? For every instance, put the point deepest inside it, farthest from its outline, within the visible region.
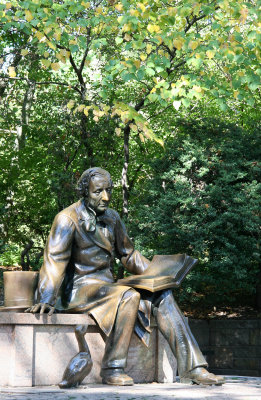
(105, 196)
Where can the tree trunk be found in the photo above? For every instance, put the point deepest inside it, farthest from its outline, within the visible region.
(86, 140)
(27, 104)
(124, 174)
(124, 183)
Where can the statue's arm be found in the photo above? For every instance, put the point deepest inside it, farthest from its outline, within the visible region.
(56, 258)
(132, 259)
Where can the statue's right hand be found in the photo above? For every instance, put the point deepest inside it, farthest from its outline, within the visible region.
(42, 308)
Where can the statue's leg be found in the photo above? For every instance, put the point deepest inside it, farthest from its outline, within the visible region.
(176, 331)
(117, 344)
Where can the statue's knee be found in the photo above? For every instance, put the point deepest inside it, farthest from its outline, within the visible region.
(164, 295)
(132, 295)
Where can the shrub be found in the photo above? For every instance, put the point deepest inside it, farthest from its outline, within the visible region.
(203, 199)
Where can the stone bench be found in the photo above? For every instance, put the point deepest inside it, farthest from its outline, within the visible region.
(36, 349)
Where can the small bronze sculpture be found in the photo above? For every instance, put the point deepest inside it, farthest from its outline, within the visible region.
(81, 364)
(76, 276)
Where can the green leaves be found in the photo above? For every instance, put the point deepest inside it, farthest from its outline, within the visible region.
(202, 198)
(125, 64)
(203, 37)
(150, 71)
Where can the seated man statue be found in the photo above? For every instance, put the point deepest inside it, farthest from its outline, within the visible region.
(76, 276)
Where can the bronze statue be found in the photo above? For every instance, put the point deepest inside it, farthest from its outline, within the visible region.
(76, 275)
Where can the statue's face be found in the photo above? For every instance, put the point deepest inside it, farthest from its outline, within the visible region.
(99, 193)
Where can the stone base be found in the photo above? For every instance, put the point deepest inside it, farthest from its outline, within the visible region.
(232, 347)
(35, 351)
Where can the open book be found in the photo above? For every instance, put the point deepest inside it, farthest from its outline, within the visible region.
(162, 273)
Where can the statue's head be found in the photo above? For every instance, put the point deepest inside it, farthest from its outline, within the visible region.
(95, 185)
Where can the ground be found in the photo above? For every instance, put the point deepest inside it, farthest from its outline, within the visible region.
(236, 388)
(235, 312)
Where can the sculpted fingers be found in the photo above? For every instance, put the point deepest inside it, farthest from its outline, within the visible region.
(42, 308)
(34, 309)
(28, 309)
(51, 310)
(46, 308)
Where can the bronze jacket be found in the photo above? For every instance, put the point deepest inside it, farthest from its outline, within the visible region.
(76, 273)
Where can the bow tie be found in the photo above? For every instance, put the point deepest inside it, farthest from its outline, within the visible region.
(91, 219)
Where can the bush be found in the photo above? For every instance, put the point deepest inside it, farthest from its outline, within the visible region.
(203, 199)
(10, 255)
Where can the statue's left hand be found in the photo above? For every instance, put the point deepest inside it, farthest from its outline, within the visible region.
(42, 308)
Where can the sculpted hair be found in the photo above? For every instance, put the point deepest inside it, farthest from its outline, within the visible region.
(83, 182)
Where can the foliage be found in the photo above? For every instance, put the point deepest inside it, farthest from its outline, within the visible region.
(203, 199)
(9, 255)
(106, 83)
(149, 42)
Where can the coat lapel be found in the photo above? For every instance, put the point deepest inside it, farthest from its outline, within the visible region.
(87, 221)
(100, 239)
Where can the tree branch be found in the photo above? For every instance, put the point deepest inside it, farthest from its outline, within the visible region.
(86, 50)
(74, 66)
(41, 83)
(124, 174)
(132, 181)
(70, 160)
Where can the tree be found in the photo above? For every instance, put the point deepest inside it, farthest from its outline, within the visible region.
(203, 199)
(87, 83)
(164, 53)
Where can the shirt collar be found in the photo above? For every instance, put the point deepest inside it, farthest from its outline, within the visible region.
(90, 217)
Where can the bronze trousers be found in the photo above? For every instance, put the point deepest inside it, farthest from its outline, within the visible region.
(174, 327)
(117, 344)
(171, 324)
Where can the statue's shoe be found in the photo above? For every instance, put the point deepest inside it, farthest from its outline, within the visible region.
(116, 376)
(201, 376)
